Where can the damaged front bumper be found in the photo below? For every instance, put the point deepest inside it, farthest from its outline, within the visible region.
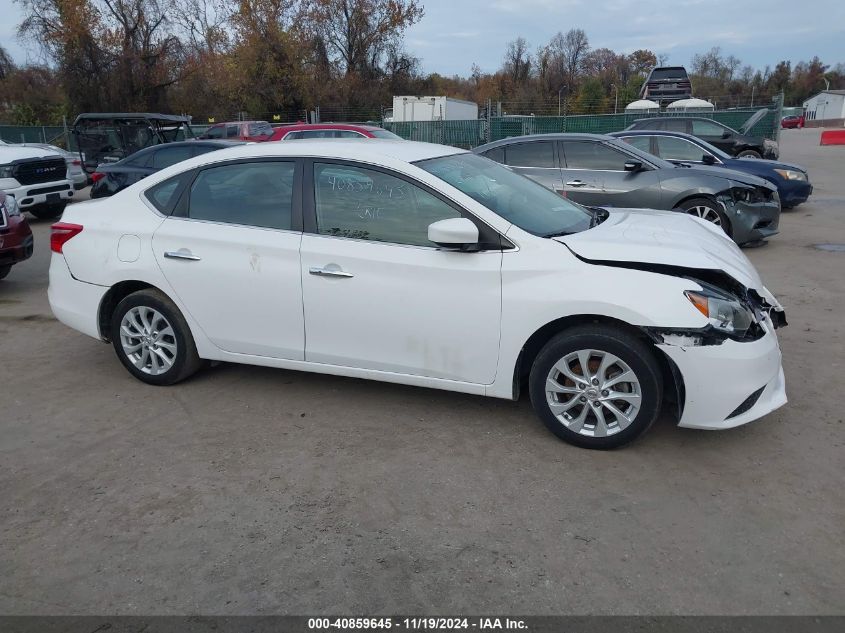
(729, 383)
(752, 221)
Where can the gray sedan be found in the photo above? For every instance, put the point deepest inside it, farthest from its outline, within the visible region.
(602, 171)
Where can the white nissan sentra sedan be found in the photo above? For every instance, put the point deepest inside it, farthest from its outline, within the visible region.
(423, 265)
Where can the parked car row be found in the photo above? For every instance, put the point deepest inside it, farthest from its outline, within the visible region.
(428, 265)
(602, 171)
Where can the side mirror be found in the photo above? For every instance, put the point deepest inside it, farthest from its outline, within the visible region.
(633, 165)
(726, 134)
(454, 234)
(708, 159)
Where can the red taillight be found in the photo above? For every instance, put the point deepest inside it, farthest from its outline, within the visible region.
(60, 233)
(77, 162)
(97, 176)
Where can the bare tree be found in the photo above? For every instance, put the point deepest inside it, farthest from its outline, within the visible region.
(517, 62)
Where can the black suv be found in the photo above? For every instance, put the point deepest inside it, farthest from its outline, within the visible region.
(666, 84)
(737, 144)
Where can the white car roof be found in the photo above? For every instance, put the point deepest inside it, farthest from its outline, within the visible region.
(369, 150)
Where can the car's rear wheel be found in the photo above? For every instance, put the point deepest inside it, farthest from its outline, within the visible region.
(596, 386)
(749, 153)
(707, 210)
(48, 211)
(5, 270)
(152, 339)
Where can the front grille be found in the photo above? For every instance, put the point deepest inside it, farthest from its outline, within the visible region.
(749, 402)
(37, 170)
(53, 189)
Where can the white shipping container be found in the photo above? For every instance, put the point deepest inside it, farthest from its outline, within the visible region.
(433, 109)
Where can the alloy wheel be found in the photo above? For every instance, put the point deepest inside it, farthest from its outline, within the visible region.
(148, 340)
(593, 393)
(706, 213)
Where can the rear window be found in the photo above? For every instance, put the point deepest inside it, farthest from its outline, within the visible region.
(659, 74)
(385, 134)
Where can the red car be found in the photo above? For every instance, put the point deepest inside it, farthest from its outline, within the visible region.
(15, 235)
(256, 131)
(330, 130)
(792, 121)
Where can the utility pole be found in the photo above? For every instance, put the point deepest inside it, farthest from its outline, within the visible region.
(616, 102)
(752, 95)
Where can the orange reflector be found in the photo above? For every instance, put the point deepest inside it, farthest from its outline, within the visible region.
(699, 301)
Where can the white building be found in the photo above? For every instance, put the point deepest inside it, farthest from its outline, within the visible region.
(825, 106)
(690, 105)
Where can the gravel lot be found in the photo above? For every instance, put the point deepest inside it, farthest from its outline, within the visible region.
(249, 490)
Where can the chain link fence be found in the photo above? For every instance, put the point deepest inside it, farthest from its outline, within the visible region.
(464, 134)
(468, 134)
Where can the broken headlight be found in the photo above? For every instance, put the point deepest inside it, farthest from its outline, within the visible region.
(724, 312)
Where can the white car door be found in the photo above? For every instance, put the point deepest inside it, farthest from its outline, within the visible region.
(378, 295)
(230, 250)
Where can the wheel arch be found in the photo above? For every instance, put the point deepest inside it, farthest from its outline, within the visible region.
(115, 295)
(674, 388)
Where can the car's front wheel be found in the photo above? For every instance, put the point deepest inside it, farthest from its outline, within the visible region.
(5, 270)
(152, 338)
(707, 210)
(749, 153)
(48, 211)
(596, 386)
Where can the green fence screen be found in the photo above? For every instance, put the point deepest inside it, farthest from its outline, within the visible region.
(468, 134)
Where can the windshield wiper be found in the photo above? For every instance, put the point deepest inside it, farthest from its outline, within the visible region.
(559, 234)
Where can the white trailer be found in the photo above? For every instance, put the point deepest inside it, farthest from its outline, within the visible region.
(433, 109)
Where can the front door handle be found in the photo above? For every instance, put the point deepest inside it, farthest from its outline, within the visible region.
(576, 183)
(329, 272)
(182, 253)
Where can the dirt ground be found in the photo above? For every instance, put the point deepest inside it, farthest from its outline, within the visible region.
(248, 490)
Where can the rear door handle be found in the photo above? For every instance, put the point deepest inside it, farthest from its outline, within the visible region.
(329, 272)
(182, 253)
(576, 183)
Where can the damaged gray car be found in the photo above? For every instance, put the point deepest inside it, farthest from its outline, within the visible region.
(602, 171)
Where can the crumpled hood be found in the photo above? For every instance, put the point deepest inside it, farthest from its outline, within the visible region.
(666, 238)
(722, 172)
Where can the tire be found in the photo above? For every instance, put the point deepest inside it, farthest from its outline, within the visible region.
(706, 209)
(48, 211)
(749, 153)
(163, 349)
(5, 270)
(584, 427)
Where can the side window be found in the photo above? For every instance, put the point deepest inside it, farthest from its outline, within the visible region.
(707, 128)
(370, 205)
(497, 154)
(163, 195)
(233, 131)
(253, 194)
(589, 155)
(260, 129)
(348, 134)
(536, 154)
(292, 136)
(317, 134)
(673, 148)
(674, 125)
(215, 131)
(167, 156)
(642, 143)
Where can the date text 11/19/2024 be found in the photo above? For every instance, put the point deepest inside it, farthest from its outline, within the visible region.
(417, 624)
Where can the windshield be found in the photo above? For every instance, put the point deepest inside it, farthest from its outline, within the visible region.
(385, 134)
(521, 201)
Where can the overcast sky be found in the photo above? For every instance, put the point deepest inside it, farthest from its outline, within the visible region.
(454, 34)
